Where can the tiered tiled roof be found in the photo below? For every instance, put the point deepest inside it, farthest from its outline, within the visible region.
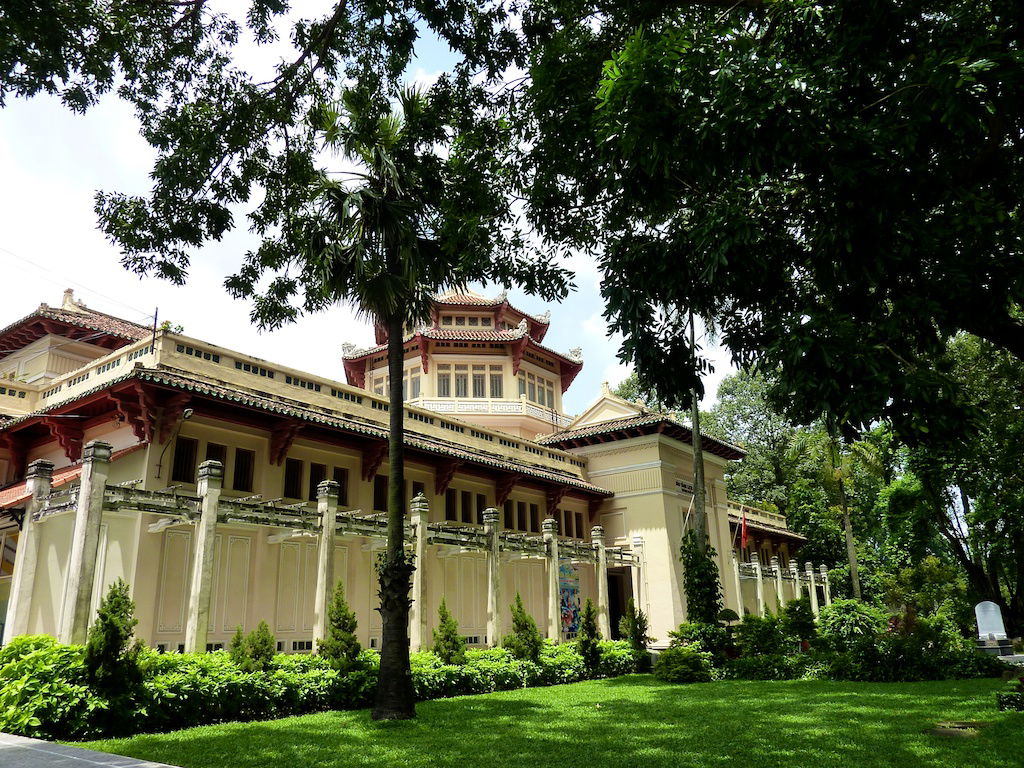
(570, 366)
(471, 299)
(635, 426)
(73, 320)
(182, 380)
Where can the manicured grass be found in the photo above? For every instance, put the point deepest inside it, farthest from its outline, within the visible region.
(632, 722)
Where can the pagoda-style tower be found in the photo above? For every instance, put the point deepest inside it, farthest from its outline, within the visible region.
(481, 359)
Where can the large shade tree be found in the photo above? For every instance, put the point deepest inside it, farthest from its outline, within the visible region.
(836, 184)
(428, 209)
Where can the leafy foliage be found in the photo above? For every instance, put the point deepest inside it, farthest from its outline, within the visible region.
(840, 108)
(111, 659)
(709, 638)
(683, 664)
(254, 651)
(525, 642)
(847, 624)
(798, 619)
(700, 580)
(633, 626)
(589, 637)
(45, 692)
(763, 636)
(449, 644)
(341, 646)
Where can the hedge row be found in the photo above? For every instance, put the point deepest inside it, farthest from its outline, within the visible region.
(43, 688)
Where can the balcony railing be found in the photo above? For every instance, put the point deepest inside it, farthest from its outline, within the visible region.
(758, 515)
(496, 407)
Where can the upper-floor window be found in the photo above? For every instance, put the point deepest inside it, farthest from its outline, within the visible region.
(245, 464)
(496, 382)
(480, 381)
(444, 381)
(184, 468)
(462, 381)
(411, 383)
(537, 389)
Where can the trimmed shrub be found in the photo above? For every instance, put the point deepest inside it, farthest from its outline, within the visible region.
(849, 623)
(525, 641)
(710, 638)
(683, 664)
(253, 652)
(762, 636)
(44, 691)
(111, 658)
(588, 638)
(633, 627)
(1013, 698)
(341, 647)
(803, 666)
(798, 619)
(449, 645)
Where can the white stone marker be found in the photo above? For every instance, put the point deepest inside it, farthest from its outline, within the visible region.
(990, 621)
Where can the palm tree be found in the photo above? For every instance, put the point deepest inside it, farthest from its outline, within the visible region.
(411, 222)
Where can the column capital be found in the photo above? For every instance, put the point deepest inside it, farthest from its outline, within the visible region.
(97, 451)
(40, 469)
(809, 567)
(211, 470)
(419, 504)
(326, 489)
(597, 534)
(491, 516)
(549, 526)
(823, 570)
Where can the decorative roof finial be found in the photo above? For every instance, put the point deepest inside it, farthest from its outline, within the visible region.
(576, 353)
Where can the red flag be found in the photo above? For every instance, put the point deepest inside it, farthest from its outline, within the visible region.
(743, 533)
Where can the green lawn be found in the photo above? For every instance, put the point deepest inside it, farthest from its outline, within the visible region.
(633, 722)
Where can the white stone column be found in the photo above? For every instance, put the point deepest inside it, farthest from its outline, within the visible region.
(85, 539)
(420, 514)
(639, 593)
(327, 508)
(777, 571)
(759, 584)
(825, 584)
(812, 587)
(197, 623)
(737, 583)
(554, 597)
(37, 482)
(603, 619)
(797, 589)
(492, 530)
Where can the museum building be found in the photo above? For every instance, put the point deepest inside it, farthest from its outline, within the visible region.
(226, 489)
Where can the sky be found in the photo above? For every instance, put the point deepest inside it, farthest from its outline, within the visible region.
(53, 161)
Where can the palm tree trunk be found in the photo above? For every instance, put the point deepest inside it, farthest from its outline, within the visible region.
(395, 695)
(699, 514)
(851, 545)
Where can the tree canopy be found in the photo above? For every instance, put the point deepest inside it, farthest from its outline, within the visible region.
(835, 185)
